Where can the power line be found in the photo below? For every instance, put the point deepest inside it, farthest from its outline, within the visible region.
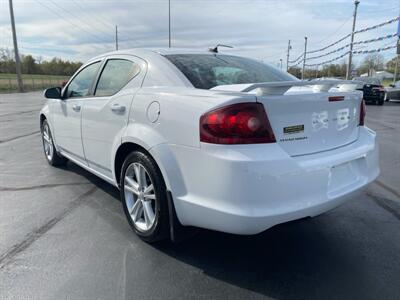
(70, 22)
(336, 31)
(79, 19)
(99, 20)
(300, 56)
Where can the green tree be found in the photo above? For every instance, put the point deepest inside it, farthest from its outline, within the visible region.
(29, 65)
(391, 64)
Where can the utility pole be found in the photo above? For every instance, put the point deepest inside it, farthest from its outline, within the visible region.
(17, 60)
(395, 69)
(287, 56)
(169, 23)
(116, 37)
(397, 59)
(304, 58)
(348, 71)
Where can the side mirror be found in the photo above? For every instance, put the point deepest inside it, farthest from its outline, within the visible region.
(53, 93)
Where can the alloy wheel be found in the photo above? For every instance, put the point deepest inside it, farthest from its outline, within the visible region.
(47, 142)
(140, 197)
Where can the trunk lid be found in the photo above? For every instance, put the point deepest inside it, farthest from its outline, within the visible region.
(305, 122)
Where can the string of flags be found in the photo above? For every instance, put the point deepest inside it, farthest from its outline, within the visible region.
(301, 58)
(375, 50)
(377, 26)
(381, 38)
(355, 32)
(354, 52)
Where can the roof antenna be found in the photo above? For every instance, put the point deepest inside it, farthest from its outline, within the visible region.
(215, 49)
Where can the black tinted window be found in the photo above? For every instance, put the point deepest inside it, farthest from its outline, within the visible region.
(205, 71)
(116, 73)
(80, 85)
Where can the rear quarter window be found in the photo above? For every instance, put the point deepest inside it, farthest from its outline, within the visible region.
(115, 75)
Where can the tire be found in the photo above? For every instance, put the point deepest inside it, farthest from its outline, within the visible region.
(381, 101)
(146, 209)
(50, 152)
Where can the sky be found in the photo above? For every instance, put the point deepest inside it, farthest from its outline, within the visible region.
(80, 29)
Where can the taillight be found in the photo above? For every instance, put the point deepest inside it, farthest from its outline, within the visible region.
(380, 88)
(336, 98)
(241, 123)
(362, 112)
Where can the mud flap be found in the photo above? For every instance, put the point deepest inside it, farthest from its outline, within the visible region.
(178, 232)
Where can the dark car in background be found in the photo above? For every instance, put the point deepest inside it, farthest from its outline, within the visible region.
(373, 90)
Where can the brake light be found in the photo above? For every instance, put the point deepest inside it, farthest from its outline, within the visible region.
(241, 123)
(362, 112)
(380, 88)
(336, 98)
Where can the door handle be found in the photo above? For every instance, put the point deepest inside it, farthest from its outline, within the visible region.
(117, 108)
(76, 107)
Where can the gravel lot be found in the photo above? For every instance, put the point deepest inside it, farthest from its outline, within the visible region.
(63, 234)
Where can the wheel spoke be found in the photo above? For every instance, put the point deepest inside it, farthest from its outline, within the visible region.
(150, 196)
(137, 168)
(142, 174)
(131, 185)
(148, 214)
(136, 210)
(131, 189)
(148, 190)
(45, 134)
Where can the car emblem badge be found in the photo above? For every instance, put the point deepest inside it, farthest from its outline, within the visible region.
(293, 129)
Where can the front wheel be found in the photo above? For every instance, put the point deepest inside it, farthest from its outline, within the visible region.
(144, 197)
(52, 157)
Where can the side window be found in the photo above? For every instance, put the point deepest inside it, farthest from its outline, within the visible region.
(115, 75)
(80, 85)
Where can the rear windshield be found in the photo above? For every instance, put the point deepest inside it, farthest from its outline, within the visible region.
(206, 71)
(369, 80)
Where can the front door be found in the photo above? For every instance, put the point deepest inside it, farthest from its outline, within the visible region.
(67, 112)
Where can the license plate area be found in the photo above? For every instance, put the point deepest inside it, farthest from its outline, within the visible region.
(343, 176)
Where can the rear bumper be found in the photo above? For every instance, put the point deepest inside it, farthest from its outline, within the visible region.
(246, 190)
(373, 98)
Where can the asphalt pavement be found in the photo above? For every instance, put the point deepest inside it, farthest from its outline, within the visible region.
(63, 234)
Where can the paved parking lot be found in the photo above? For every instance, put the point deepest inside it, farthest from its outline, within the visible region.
(63, 234)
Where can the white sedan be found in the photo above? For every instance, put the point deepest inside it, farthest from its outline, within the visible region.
(210, 140)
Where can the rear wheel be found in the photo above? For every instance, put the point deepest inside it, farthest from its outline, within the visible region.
(144, 197)
(50, 152)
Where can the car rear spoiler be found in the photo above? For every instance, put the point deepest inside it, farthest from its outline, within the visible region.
(281, 87)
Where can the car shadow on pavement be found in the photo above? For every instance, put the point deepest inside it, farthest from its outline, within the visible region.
(98, 182)
(294, 260)
(309, 258)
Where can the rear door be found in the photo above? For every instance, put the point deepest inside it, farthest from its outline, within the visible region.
(313, 122)
(67, 112)
(105, 115)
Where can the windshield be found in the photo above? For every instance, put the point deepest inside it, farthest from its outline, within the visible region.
(369, 80)
(206, 71)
